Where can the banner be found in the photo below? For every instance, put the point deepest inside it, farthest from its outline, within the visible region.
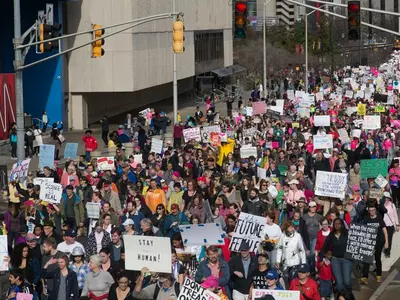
(7, 103)
(192, 134)
(192, 290)
(361, 242)
(322, 121)
(200, 234)
(147, 251)
(330, 184)
(372, 168)
(105, 163)
(276, 294)
(51, 192)
(372, 122)
(248, 228)
(71, 150)
(156, 146)
(323, 141)
(46, 156)
(20, 169)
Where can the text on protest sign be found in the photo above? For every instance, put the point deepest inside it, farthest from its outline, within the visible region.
(372, 168)
(46, 156)
(41, 180)
(192, 134)
(105, 163)
(93, 210)
(381, 181)
(147, 251)
(323, 141)
(246, 152)
(51, 192)
(20, 170)
(156, 145)
(201, 234)
(330, 184)
(248, 228)
(278, 295)
(361, 242)
(343, 135)
(322, 121)
(192, 290)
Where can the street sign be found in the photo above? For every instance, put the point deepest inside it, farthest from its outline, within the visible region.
(49, 13)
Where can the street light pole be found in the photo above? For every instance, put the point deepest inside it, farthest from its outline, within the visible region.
(265, 47)
(175, 80)
(19, 99)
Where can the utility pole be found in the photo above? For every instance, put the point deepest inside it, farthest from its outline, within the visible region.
(19, 97)
(175, 79)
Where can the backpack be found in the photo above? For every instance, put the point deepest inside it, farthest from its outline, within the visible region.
(157, 290)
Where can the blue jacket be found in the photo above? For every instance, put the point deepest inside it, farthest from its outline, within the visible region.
(137, 217)
(203, 271)
(181, 218)
(131, 176)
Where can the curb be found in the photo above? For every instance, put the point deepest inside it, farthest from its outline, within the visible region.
(384, 285)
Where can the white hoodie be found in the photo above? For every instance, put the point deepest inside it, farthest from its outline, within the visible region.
(291, 250)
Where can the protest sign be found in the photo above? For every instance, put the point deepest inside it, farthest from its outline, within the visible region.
(192, 134)
(278, 107)
(349, 94)
(361, 242)
(361, 109)
(148, 251)
(261, 173)
(375, 193)
(323, 141)
(3, 177)
(93, 210)
(259, 108)
(20, 169)
(372, 122)
(290, 94)
(156, 146)
(343, 135)
(192, 290)
(71, 150)
(380, 109)
(249, 111)
(248, 228)
(271, 114)
(3, 253)
(51, 192)
(330, 184)
(322, 121)
(276, 294)
(41, 180)
(215, 139)
(381, 181)
(372, 168)
(201, 234)
(46, 156)
(105, 163)
(324, 106)
(246, 152)
(307, 100)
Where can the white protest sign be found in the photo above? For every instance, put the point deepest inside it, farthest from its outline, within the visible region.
(349, 94)
(138, 158)
(290, 94)
(192, 134)
(207, 130)
(261, 173)
(148, 251)
(51, 192)
(381, 181)
(319, 96)
(201, 234)
(3, 253)
(192, 290)
(249, 229)
(20, 170)
(307, 100)
(322, 121)
(93, 210)
(351, 110)
(41, 180)
(330, 184)
(279, 106)
(276, 294)
(372, 122)
(105, 163)
(356, 133)
(156, 145)
(343, 135)
(246, 152)
(323, 141)
(249, 111)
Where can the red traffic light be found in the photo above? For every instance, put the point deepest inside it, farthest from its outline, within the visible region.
(353, 7)
(241, 7)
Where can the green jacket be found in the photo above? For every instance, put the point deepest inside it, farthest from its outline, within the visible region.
(79, 210)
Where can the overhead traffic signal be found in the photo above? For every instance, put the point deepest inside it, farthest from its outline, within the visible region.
(396, 45)
(47, 32)
(178, 29)
(240, 19)
(97, 46)
(354, 20)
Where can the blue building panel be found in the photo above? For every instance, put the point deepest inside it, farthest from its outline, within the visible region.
(43, 83)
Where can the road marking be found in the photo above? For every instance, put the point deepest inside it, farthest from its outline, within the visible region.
(387, 263)
(384, 285)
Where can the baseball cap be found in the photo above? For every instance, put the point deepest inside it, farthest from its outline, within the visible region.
(128, 222)
(304, 268)
(387, 195)
(294, 181)
(244, 246)
(176, 174)
(312, 204)
(272, 274)
(70, 233)
(174, 206)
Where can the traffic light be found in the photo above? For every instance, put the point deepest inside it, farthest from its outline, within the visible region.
(97, 46)
(178, 36)
(240, 19)
(47, 32)
(374, 47)
(396, 45)
(353, 20)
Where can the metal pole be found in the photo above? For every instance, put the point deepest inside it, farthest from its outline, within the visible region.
(175, 80)
(306, 79)
(265, 50)
(19, 97)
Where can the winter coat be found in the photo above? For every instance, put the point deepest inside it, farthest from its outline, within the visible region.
(90, 143)
(291, 250)
(91, 247)
(72, 290)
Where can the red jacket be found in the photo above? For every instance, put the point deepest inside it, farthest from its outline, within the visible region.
(321, 240)
(325, 271)
(90, 143)
(310, 289)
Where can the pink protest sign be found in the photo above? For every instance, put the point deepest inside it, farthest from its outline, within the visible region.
(259, 108)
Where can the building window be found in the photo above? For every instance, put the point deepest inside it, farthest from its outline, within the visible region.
(208, 46)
